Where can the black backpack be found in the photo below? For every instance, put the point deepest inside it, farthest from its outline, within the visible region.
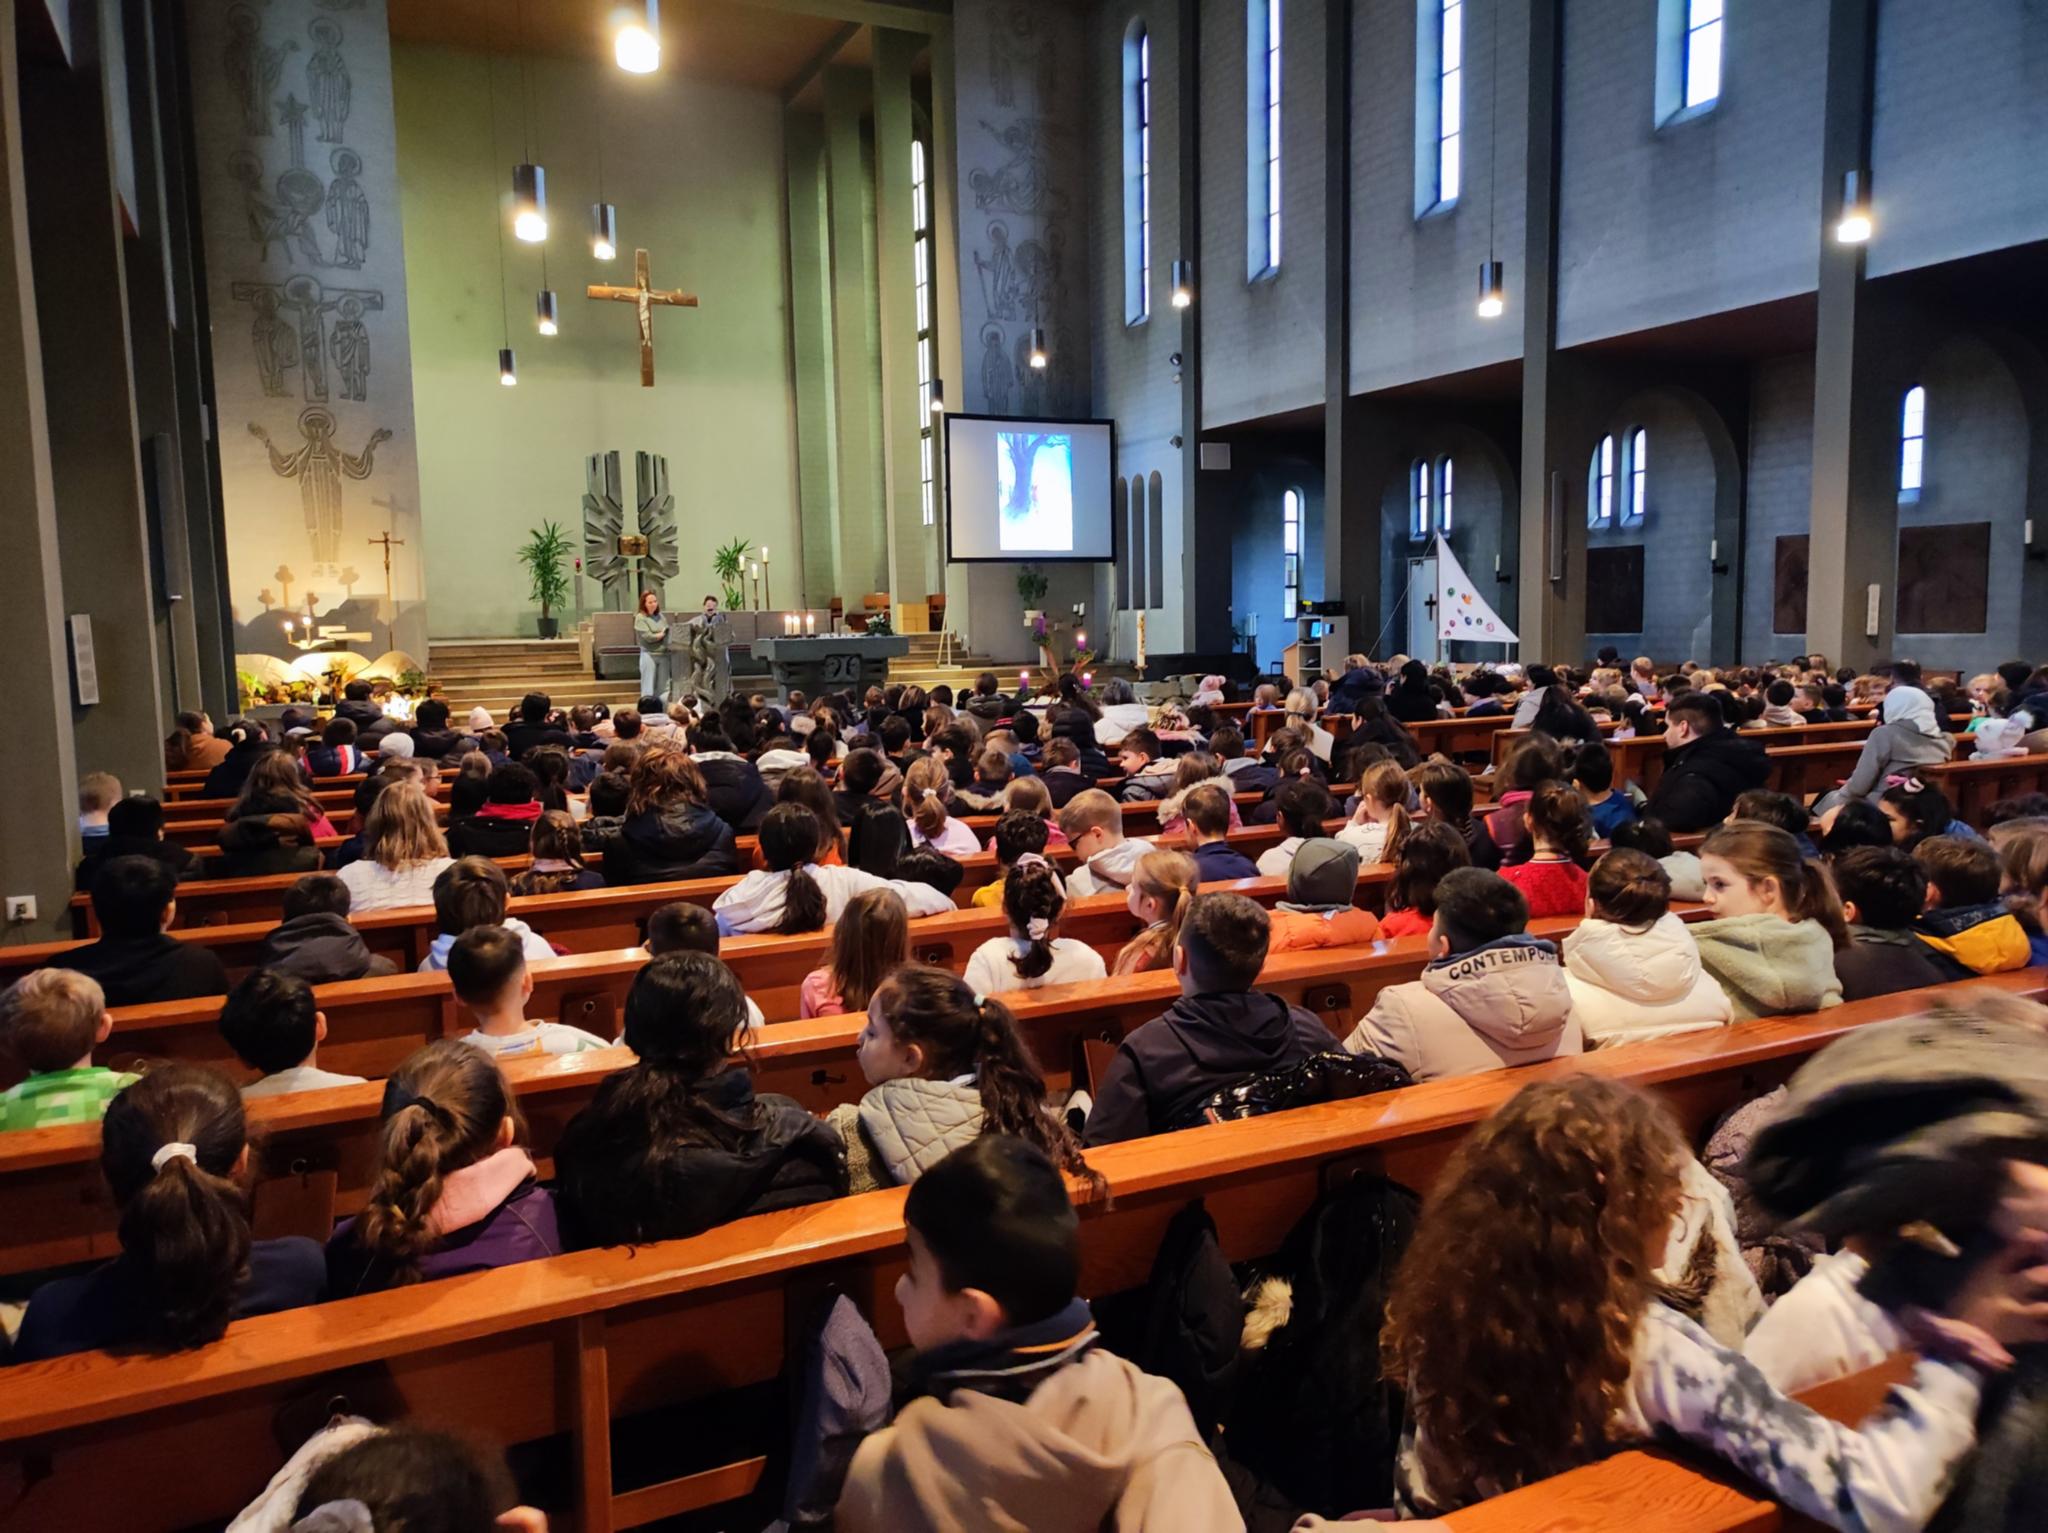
(1312, 1416)
(1331, 1076)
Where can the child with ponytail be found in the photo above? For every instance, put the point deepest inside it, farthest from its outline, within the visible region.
(945, 1065)
(797, 893)
(1553, 878)
(1159, 895)
(1429, 851)
(175, 1150)
(870, 941)
(455, 1190)
(1777, 922)
(1034, 954)
(1381, 823)
(927, 796)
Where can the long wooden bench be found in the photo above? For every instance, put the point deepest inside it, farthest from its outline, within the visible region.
(570, 1345)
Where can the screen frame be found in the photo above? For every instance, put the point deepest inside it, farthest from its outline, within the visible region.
(1115, 532)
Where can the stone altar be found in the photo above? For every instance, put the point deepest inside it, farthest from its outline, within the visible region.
(839, 662)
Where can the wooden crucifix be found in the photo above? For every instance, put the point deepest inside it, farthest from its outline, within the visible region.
(644, 298)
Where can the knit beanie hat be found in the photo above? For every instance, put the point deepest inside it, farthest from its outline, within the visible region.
(1323, 877)
(480, 719)
(395, 745)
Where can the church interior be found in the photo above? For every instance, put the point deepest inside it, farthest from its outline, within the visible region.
(1225, 375)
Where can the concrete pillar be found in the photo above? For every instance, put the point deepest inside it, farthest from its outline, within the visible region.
(946, 293)
(81, 305)
(810, 331)
(38, 825)
(902, 418)
(862, 553)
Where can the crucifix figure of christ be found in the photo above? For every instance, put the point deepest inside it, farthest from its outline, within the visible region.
(644, 297)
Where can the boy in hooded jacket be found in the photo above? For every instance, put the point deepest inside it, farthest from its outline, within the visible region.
(1491, 996)
(1632, 966)
(1220, 1031)
(1967, 924)
(1093, 824)
(1018, 1413)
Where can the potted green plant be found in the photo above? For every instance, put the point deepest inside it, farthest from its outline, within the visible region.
(546, 548)
(729, 564)
(1031, 588)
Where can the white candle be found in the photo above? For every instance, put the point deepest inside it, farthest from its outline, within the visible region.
(1141, 641)
(810, 622)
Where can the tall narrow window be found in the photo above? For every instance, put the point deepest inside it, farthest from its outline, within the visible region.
(1262, 137)
(1912, 441)
(1420, 497)
(1638, 479)
(927, 335)
(1702, 52)
(1450, 99)
(1439, 103)
(1290, 553)
(1600, 486)
(1137, 174)
(1443, 495)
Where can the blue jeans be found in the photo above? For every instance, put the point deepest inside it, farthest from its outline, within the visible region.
(654, 675)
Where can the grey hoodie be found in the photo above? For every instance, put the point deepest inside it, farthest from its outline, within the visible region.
(902, 1128)
(1112, 868)
(1503, 1003)
(1769, 966)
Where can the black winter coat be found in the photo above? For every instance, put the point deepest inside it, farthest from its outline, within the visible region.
(681, 841)
(1702, 780)
(738, 793)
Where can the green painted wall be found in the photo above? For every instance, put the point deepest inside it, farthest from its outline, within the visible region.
(696, 171)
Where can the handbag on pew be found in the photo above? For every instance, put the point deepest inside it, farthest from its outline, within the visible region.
(1331, 1076)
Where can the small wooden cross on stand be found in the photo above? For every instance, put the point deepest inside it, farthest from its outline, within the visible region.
(644, 297)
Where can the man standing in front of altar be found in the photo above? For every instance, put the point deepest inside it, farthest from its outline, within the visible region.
(704, 652)
(650, 627)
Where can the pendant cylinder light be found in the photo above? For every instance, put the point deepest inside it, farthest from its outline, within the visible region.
(1855, 226)
(1183, 284)
(508, 367)
(1493, 290)
(636, 38)
(604, 230)
(938, 396)
(544, 311)
(1037, 355)
(530, 203)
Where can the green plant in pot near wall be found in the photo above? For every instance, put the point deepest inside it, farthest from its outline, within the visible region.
(729, 564)
(1031, 588)
(544, 553)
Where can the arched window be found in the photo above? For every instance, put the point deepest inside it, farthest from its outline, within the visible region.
(1439, 102)
(1137, 174)
(927, 329)
(1155, 537)
(1443, 495)
(1637, 502)
(1290, 553)
(1421, 498)
(1912, 442)
(1262, 137)
(1600, 486)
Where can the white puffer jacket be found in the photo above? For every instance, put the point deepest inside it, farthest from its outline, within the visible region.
(1631, 985)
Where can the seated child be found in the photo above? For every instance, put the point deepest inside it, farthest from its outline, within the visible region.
(137, 960)
(488, 973)
(1318, 911)
(944, 1065)
(315, 941)
(1247, 773)
(797, 893)
(1883, 891)
(1300, 809)
(1018, 834)
(1189, 772)
(1779, 809)
(473, 891)
(1207, 811)
(1649, 836)
(1443, 791)
(135, 828)
(1094, 827)
(927, 799)
(405, 1476)
(50, 1022)
(1967, 924)
(558, 866)
(455, 1190)
(1148, 775)
(1029, 795)
(1606, 805)
(98, 793)
(1777, 922)
(336, 755)
(2022, 847)
(1014, 1396)
(1381, 820)
(1219, 1031)
(274, 1028)
(175, 1151)
(1553, 878)
(1428, 852)
(870, 941)
(680, 1143)
(1034, 954)
(1632, 967)
(1491, 996)
(1160, 891)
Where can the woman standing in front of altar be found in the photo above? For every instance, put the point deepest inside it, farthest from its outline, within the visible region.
(651, 629)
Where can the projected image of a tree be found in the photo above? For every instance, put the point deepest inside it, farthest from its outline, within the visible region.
(1023, 448)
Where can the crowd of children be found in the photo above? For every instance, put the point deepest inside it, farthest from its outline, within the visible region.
(1576, 1280)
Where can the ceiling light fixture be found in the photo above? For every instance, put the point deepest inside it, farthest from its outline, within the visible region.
(636, 38)
(1037, 355)
(1183, 284)
(1855, 226)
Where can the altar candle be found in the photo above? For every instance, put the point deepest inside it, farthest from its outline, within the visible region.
(810, 622)
(1141, 641)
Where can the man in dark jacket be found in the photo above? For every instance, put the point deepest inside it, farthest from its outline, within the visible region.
(1220, 1030)
(1706, 766)
(532, 728)
(136, 959)
(315, 941)
(504, 826)
(135, 828)
(738, 793)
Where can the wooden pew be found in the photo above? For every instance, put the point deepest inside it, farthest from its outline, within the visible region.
(573, 1343)
(1973, 786)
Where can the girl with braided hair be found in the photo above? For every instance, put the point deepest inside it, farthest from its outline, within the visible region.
(1034, 954)
(175, 1150)
(946, 1065)
(455, 1189)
